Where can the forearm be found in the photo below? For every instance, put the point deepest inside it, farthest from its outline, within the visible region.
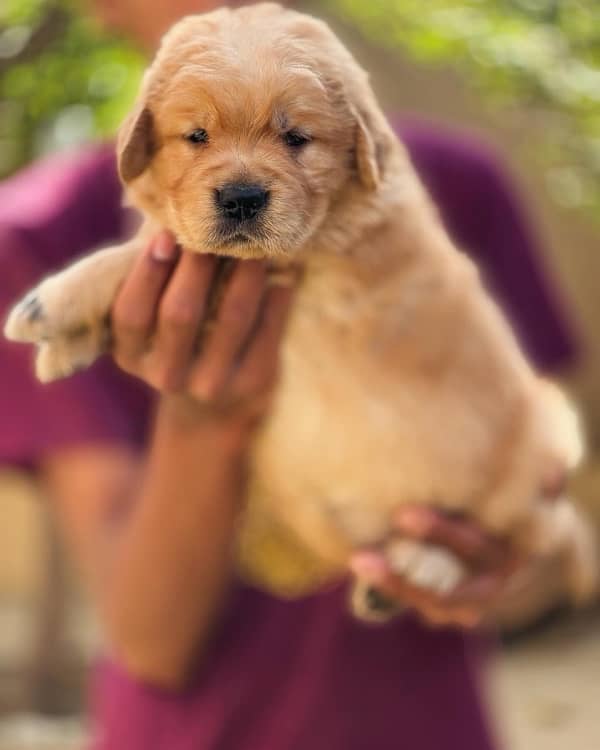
(159, 556)
(172, 560)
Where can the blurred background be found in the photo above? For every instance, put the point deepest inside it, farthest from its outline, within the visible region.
(524, 76)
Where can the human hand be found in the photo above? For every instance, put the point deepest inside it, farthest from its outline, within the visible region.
(491, 561)
(160, 310)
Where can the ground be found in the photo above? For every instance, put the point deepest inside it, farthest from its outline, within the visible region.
(547, 687)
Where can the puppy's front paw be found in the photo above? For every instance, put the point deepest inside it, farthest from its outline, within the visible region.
(26, 321)
(425, 565)
(69, 334)
(54, 308)
(64, 356)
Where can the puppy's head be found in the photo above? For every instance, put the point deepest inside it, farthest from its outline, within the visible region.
(249, 127)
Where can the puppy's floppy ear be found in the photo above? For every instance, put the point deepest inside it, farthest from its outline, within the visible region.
(367, 162)
(370, 139)
(136, 143)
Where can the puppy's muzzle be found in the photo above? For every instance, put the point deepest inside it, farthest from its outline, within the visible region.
(239, 203)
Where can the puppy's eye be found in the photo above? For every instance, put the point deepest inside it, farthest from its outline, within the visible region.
(197, 136)
(295, 139)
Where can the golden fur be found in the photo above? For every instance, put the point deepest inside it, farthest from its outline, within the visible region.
(400, 380)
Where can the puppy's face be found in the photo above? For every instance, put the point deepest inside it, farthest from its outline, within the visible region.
(242, 141)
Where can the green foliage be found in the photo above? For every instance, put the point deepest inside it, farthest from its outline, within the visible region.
(61, 80)
(542, 54)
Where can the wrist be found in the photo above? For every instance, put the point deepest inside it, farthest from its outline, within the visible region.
(229, 430)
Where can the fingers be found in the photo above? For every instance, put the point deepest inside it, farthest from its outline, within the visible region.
(181, 311)
(236, 318)
(161, 309)
(373, 568)
(134, 311)
(478, 590)
(468, 604)
(465, 607)
(460, 535)
(461, 617)
(258, 369)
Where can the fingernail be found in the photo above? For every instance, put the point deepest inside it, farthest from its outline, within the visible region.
(164, 248)
(415, 521)
(370, 566)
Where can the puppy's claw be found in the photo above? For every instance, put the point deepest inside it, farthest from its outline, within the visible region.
(377, 601)
(370, 605)
(32, 308)
(23, 323)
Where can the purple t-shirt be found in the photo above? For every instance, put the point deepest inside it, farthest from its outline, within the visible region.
(281, 675)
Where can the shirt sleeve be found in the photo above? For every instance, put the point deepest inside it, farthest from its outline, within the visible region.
(101, 404)
(484, 215)
(515, 269)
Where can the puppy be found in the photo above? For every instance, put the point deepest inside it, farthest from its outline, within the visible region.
(256, 135)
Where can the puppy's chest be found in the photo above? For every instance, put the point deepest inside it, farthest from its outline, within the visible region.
(348, 422)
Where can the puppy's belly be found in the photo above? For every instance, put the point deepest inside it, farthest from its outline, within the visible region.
(341, 450)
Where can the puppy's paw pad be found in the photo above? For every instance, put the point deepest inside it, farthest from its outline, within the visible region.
(426, 565)
(26, 319)
(32, 308)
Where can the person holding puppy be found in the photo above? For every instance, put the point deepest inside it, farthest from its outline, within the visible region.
(200, 659)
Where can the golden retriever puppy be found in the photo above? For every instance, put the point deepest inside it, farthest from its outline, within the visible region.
(256, 134)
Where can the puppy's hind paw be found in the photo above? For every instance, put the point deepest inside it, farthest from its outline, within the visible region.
(371, 605)
(425, 566)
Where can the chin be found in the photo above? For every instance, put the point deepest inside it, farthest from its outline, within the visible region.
(243, 250)
(246, 247)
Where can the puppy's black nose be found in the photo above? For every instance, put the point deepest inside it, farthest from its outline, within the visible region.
(241, 202)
